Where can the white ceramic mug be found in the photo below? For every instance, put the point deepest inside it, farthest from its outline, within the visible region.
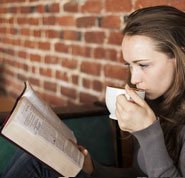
(111, 95)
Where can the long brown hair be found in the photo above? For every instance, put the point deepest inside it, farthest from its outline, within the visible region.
(165, 25)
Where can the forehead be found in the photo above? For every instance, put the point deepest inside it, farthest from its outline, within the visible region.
(138, 47)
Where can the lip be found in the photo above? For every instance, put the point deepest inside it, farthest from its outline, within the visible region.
(141, 89)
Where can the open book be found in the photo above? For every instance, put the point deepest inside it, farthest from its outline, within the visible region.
(35, 127)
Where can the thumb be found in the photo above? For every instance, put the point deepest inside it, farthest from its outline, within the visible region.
(83, 150)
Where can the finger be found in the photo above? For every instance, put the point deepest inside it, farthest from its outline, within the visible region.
(123, 127)
(134, 96)
(83, 150)
(118, 112)
(122, 103)
(121, 100)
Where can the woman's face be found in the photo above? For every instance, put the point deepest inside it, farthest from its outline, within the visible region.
(151, 70)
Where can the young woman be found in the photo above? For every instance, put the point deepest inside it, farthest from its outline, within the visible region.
(154, 50)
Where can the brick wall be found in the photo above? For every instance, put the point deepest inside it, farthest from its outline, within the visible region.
(68, 49)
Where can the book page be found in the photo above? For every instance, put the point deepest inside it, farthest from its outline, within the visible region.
(48, 113)
(28, 117)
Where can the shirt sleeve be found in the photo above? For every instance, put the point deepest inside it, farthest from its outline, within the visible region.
(157, 160)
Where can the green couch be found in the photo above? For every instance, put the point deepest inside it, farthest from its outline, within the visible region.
(92, 128)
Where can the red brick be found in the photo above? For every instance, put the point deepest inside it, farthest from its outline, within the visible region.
(91, 68)
(33, 69)
(94, 37)
(118, 5)
(69, 63)
(1, 20)
(54, 8)
(33, 0)
(17, 42)
(33, 21)
(44, 45)
(35, 57)
(146, 3)
(88, 21)
(86, 83)
(5, 41)
(12, 41)
(180, 4)
(75, 79)
(25, 31)
(97, 86)
(22, 77)
(71, 6)
(52, 33)
(71, 43)
(99, 53)
(13, 31)
(93, 6)
(115, 38)
(54, 100)
(51, 86)
(111, 54)
(13, 10)
(37, 33)
(81, 51)
(40, 8)
(3, 10)
(51, 20)
(11, 20)
(22, 54)
(62, 76)
(61, 47)
(34, 81)
(69, 92)
(111, 22)
(21, 20)
(51, 59)
(45, 72)
(30, 44)
(66, 21)
(3, 30)
(11, 63)
(25, 9)
(9, 51)
(9, 72)
(116, 72)
(22, 66)
(87, 98)
(71, 35)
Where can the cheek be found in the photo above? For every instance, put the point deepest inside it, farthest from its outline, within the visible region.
(159, 82)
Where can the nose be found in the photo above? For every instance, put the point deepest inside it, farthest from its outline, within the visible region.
(135, 77)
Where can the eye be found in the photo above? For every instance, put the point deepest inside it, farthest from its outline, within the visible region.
(143, 66)
(126, 64)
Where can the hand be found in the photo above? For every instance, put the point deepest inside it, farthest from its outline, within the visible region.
(88, 164)
(135, 114)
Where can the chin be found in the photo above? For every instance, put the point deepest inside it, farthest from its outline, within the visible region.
(151, 97)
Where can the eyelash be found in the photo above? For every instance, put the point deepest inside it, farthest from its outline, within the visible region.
(143, 66)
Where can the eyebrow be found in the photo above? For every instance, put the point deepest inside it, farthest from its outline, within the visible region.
(136, 61)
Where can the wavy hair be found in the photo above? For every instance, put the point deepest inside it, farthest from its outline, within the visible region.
(165, 25)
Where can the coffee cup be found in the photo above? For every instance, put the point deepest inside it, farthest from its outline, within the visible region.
(111, 95)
